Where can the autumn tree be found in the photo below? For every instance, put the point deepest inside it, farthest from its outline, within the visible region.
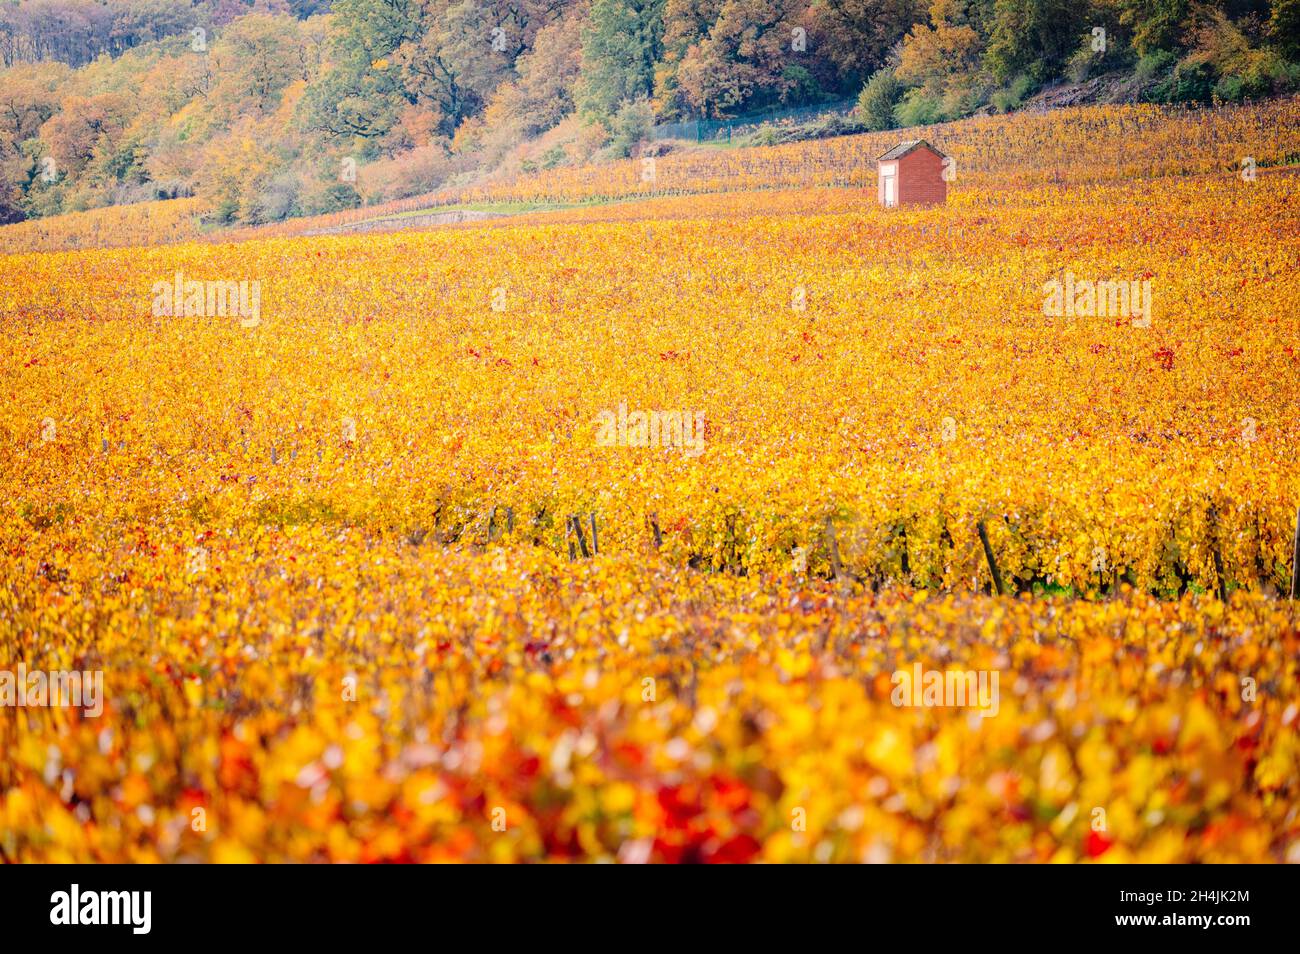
(1156, 24)
(744, 55)
(935, 57)
(542, 92)
(83, 126)
(29, 95)
(857, 35)
(255, 58)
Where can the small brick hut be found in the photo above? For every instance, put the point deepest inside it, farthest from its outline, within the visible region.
(911, 174)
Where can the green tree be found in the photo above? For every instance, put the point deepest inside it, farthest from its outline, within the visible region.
(620, 46)
(876, 103)
(1034, 37)
(363, 92)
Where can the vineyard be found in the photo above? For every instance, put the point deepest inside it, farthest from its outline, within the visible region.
(597, 533)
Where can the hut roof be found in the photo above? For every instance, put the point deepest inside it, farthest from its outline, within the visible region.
(906, 146)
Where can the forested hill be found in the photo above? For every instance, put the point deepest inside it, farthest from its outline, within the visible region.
(278, 108)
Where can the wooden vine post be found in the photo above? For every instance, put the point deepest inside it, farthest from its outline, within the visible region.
(576, 523)
(988, 555)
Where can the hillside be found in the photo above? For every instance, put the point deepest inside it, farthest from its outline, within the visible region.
(992, 155)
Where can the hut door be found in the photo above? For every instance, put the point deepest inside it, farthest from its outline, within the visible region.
(891, 191)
